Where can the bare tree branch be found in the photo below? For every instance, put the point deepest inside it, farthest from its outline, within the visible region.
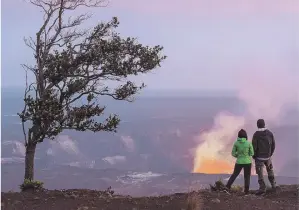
(28, 88)
(30, 43)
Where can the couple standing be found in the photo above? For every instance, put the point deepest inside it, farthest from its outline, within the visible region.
(261, 149)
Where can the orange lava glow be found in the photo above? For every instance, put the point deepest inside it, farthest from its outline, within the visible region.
(213, 166)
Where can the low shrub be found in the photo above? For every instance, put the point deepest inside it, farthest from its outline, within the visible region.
(237, 188)
(31, 185)
(218, 186)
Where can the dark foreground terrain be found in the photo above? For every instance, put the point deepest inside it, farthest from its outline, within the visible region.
(285, 198)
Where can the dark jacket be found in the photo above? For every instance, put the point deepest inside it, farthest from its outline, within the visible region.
(263, 143)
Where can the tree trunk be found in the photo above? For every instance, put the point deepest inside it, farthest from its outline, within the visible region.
(29, 161)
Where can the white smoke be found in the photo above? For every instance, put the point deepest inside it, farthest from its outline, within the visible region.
(214, 142)
(87, 164)
(128, 143)
(64, 143)
(50, 152)
(115, 159)
(12, 160)
(135, 177)
(65, 151)
(18, 148)
(267, 92)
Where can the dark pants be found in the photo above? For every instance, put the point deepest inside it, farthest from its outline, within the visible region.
(259, 166)
(247, 173)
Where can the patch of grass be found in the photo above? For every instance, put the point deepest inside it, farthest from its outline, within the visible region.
(218, 186)
(236, 188)
(31, 185)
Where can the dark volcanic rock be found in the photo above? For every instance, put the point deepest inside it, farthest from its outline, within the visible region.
(89, 199)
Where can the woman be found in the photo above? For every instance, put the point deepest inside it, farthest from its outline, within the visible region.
(243, 151)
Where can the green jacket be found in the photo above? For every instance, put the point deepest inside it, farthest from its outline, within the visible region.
(243, 151)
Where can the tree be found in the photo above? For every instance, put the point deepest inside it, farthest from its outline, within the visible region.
(74, 65)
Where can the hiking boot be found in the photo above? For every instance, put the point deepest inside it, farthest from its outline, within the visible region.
(276, 189)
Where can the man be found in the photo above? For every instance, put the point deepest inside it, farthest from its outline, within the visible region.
(263, 145)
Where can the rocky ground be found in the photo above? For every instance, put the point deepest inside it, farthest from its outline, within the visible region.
(285, 198)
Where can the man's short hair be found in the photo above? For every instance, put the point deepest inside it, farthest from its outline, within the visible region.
(261, 123)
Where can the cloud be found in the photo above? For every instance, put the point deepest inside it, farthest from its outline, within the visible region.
(88, 164)
(66, 151)
(128, 143)
(210, 7)
(18, 148)
(65, 143)
(50, 151)
(115, 159)
(12, 160)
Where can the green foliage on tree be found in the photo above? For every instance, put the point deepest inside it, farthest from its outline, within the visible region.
(73, 65)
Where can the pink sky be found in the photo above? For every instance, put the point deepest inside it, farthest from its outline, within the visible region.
(202, 38)
(210, 7)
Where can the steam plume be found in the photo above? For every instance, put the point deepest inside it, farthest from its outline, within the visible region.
(65, 143)
(267, 92)
(115, 159)
(128, 143)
